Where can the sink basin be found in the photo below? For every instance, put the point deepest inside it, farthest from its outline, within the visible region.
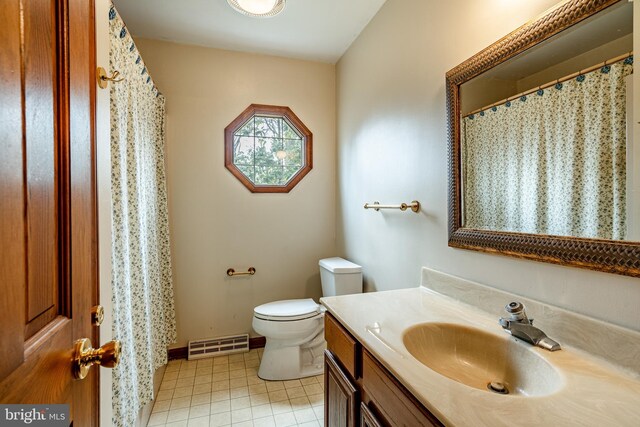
(476, 358)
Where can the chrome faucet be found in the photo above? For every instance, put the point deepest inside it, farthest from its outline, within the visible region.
(520, 326)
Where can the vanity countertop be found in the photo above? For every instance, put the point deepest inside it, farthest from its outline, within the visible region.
(594, 393)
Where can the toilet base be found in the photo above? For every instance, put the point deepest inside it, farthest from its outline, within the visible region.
(281, 362)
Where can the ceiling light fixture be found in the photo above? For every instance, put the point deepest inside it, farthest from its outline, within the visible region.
(258, 8)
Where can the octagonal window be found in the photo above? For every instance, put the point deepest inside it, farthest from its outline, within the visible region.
(268, 149)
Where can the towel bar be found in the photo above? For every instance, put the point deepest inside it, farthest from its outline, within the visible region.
(250, 272)
(414, 206)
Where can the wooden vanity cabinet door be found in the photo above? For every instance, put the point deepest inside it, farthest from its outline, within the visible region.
(341, 344)
(341, 397)
(395, 405)
(367, 419)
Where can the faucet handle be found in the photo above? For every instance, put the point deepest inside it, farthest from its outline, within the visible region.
(517, 312)
(514, 307)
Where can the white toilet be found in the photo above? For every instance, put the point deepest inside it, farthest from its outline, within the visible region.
(294, 329)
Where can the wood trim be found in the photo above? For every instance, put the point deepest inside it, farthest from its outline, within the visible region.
(181, 352)
(83, 212)
(177, 353)
(594, 254)
(257, 342)
(271, 110)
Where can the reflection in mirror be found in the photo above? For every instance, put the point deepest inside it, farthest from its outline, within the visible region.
(544, 144)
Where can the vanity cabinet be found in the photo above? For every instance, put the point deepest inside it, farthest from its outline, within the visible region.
(367, 419)
(360, 391)
(341, 396)
(385, 397)
(341, 368)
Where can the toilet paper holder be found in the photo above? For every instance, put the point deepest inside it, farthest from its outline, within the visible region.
(250, 272)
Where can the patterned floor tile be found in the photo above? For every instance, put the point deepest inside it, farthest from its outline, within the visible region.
(226, 391)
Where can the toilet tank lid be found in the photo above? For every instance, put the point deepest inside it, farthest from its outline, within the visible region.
(288, 308)
(339, 265)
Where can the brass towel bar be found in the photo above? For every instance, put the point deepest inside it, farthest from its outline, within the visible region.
(250, 272)
(414, 206)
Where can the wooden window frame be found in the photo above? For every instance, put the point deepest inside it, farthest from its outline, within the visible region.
(275, 111)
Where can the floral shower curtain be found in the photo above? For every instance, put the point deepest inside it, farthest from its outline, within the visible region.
(143, 306)
(552, 162)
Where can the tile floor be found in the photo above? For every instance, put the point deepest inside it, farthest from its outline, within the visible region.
(226, 391)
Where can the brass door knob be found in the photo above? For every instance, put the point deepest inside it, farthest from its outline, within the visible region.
(84, 356)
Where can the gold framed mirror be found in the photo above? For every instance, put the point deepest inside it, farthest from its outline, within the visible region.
(577, 41)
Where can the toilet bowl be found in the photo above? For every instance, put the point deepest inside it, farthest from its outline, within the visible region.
(294, 329)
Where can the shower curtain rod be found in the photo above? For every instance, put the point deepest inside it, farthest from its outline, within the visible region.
(554, 82)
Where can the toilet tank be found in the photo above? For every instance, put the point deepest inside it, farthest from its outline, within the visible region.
(340, 277)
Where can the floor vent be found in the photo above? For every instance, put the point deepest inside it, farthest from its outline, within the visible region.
(218, 346)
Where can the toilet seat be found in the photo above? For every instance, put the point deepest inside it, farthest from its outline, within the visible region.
(287, 310)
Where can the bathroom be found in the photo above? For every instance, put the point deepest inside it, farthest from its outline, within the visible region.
(375, 102)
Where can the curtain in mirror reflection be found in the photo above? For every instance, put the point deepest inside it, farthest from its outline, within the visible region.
(556, 161)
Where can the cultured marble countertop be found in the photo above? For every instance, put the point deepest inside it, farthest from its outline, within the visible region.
(593, 393)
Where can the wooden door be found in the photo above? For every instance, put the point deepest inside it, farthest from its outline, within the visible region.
(340, 395)
(48, 224)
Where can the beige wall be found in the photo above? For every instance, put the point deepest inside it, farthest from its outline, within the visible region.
(103, 172)
(215, 222)
(481, 92)
(485, 90)
(392, 147)
(600, 54)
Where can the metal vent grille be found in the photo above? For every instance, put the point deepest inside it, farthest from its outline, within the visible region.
(218, 346)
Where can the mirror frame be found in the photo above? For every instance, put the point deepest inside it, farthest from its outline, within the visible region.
(603, 255)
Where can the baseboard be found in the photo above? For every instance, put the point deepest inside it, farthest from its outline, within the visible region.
(181, 352)
(177, 353)
(257, 342)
